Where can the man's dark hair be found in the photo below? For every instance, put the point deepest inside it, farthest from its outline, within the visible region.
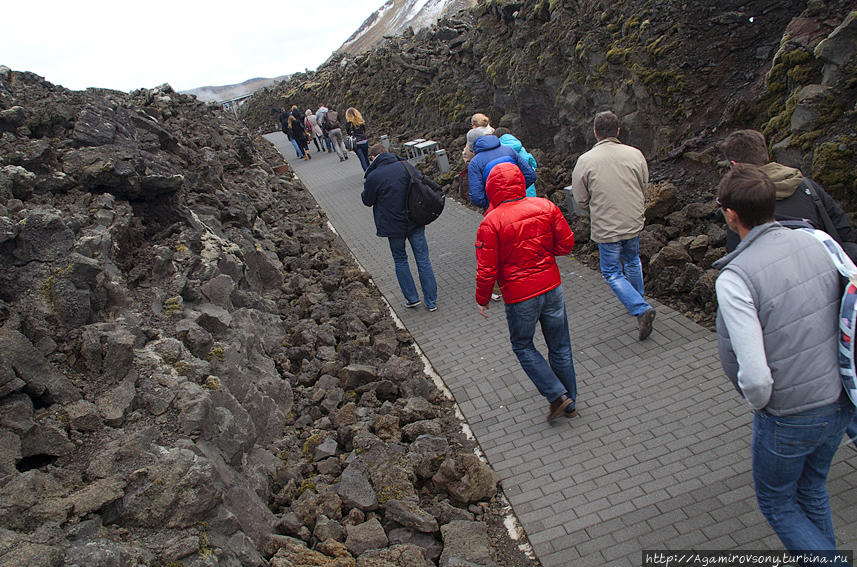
(377, 150)
(746, 146)
(501, 131)
(748, 192)
(606, 125)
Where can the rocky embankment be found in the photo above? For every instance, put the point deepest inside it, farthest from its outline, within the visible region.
(680, 75)
(193, 371)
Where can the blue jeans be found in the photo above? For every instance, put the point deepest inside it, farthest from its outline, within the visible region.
(791, 460)
(851, 430)
(627, 283)
(297, 148)
(419, 246)
(362, 151)
(556, 377)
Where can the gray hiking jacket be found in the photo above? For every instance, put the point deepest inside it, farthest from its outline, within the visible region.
(795, 290)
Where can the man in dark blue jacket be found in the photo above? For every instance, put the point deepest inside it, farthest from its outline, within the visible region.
(489, 152)
(385, 188)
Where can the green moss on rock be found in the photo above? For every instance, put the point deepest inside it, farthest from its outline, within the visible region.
(216, 352)
(833, 168)
(617, 55)
(310, 445)
(307, 484)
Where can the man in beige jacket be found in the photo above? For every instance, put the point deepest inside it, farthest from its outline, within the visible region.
(610, 182)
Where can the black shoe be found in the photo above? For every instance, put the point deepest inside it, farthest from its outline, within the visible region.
(411, 304)
(644, 324)
(558, 406)
(432, 309)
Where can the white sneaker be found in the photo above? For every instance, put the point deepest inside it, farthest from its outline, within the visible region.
(495, 297)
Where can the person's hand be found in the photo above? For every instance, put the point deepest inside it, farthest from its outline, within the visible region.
(483, 310)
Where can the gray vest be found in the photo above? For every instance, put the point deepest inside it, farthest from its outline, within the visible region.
(796, 291)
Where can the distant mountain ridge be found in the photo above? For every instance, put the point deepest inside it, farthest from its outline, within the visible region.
(230, 92)
(396, 16)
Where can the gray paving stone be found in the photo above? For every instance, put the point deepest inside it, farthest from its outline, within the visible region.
(660, 455)
(690, 540)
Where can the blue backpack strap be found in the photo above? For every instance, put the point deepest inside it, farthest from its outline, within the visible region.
(847, 311)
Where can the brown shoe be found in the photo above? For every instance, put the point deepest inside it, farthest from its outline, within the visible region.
(644, 323)
(570, 412)
(558, 405)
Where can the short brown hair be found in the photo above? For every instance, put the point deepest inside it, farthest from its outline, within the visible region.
(748, 192)
(377, 149)
(502, 131)
(606, 125)
(746, 146)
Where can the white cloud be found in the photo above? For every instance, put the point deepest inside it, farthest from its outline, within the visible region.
(125, 45)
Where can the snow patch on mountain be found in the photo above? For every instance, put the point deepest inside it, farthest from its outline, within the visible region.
(395, 16)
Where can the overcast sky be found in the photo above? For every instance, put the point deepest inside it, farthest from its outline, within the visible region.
(126, 45)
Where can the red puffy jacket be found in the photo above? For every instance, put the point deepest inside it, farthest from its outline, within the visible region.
(518, 240)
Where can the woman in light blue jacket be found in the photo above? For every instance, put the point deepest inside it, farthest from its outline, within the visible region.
(507, 139)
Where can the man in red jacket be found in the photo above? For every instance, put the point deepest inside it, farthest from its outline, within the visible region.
(516, 245)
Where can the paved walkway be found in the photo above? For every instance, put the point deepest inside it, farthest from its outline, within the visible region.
(659, 457)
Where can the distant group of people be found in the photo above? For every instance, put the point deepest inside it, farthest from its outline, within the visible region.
(324, 128)
(297, 130)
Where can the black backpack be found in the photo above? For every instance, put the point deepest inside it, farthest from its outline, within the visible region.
(424, 200)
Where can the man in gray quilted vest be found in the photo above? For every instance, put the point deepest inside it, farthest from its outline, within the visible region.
(777, 324)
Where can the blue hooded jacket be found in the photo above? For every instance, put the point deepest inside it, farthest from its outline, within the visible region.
(489, 152)
(515, 144)
(385, 187)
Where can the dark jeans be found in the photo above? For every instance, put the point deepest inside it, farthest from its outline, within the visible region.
(791, 461)
(362, 151)
(851, 430)
(555, 376)
(419, 246)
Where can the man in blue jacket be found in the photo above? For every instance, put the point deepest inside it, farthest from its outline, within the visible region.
(489, 152)
(385, 187)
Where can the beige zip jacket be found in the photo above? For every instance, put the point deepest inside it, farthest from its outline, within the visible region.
(610, 182)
